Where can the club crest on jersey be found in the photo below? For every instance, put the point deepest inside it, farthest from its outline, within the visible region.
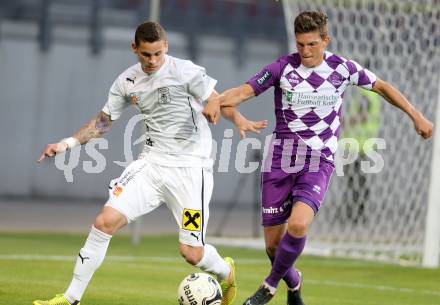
(293, 78)
(191, 220)
(336, 79)
(134, 98)
(164, 95)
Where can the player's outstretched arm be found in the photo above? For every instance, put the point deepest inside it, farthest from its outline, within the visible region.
(96, 128)
(422, 125)
(244, 125)
(235, 96)
(231, 97)
(213, 110)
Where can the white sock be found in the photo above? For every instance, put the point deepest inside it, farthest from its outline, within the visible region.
(89, 259)
(212, 262)
(271, 289)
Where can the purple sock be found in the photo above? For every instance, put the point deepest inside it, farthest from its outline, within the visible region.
(288, 251)
(291, 278)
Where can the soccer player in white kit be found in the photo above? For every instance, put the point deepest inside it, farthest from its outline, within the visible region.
(175, 166)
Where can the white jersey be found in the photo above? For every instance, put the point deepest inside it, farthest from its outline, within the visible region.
(177, 133)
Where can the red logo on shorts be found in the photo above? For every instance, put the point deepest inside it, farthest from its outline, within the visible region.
(117, 191)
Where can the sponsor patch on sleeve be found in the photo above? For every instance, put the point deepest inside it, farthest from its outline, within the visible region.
(266, 75)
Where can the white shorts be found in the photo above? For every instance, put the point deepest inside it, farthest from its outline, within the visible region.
(144, 186)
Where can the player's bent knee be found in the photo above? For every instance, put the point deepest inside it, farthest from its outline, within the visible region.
(104, 225)
(193, 255)
(297, 227)
(109, 222)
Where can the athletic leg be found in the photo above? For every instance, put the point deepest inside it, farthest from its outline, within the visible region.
(92, 254)
(188, 194)
(272, 238)
(133, 194)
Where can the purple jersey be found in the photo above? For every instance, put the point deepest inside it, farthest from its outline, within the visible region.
(308, 100)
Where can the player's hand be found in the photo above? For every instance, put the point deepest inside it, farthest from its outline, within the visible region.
(212, 111)
(254, 126)
(53, 149)
(423, 126)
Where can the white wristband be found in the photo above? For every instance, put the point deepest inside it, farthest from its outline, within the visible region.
(71, 142)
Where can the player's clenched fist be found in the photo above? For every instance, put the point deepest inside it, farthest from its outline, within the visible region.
(212, 111)
(423, 126)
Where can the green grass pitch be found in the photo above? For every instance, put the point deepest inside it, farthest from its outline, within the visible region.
(40, 265)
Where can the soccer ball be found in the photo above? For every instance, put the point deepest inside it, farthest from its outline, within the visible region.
(199, 289)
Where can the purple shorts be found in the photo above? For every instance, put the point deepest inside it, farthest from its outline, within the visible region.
(280, 190)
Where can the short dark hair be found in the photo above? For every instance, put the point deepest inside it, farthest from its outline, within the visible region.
(150, 32)
(311, 21)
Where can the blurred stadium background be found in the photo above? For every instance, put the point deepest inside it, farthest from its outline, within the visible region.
(59, 58)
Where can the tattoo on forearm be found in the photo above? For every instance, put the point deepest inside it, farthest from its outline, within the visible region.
(102, 123)
(94, 129)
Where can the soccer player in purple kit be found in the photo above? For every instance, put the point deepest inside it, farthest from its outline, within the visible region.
(308, 91)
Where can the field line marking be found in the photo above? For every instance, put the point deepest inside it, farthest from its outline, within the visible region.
(127, 258)
(157, 259)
